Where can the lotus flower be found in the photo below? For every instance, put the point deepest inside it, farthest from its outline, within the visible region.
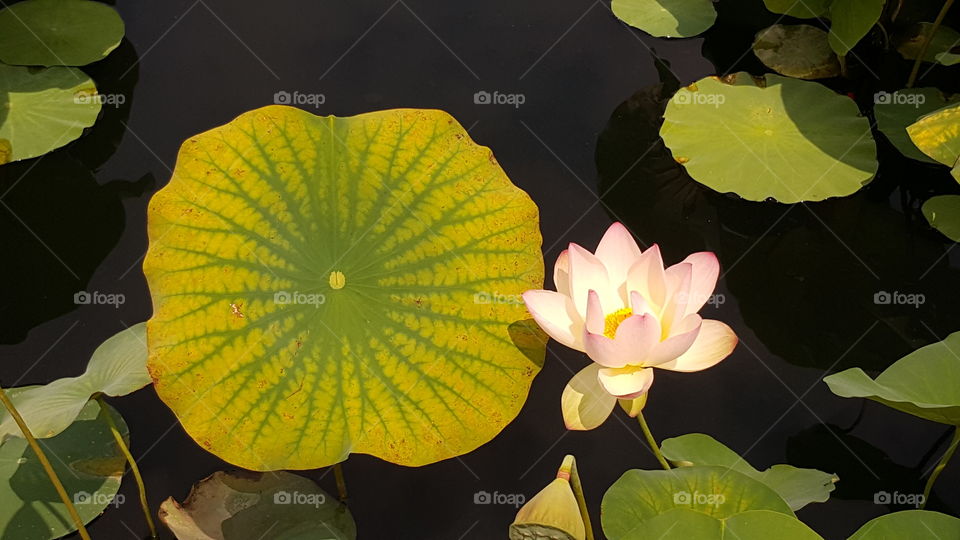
(629, 314)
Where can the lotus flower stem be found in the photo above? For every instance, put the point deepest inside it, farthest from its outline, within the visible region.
(341, 482)
(652, 442)
(42, 457)
(133, 466)
(926, 42)
(940, 466)
(568, 469)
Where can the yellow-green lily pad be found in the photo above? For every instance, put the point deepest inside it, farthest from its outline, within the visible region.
(807, 9)
(850, 20)
(684, 524)
(58, 32)
(666, 18)
(325, 286)
(897, 110)
(909, 524)
(938, 136)
(943, 214)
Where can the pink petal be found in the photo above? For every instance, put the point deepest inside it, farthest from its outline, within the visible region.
(626, 383)
(706, 270)
(714, 343)
(618, 251)
(636, 336)
(678, 278)
(557, 317)
(638, 304)
(586, 273)
(561, 273)
(596, 320)
(647, 278)
(585, 403)
(684, 336)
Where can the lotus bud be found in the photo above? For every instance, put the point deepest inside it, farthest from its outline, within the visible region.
(554, 513)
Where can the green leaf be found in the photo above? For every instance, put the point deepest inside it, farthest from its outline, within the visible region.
(683, 524)
(41, 110)
(895, 111)
(789, 140)
(718, 492)
(796, 50)
(798, 487)
(943, 41)
(117, 367)
(938, 136)
(241, 505)
(807, 9)
(86, 458)
(909, 524)
(58, 32)
(327, 285)
(666, 18)
(850, 20)
(943, 214)
(925, 383)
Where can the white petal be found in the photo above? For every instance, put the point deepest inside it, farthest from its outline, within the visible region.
(626, 383)
(636, 336)
(714, 343)
(557, 317)
(618, 251)
(561, 273)
(585, 403)
(705, 271)
(678, 278)
(684, 336)
(647, 278)
(586, 273)
(596, 320)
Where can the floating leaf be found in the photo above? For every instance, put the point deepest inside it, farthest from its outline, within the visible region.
(323, 286)
(943, 40)
(789, 140)
(806, 9)
(241, 505)
(796, 50)
(938, 136)
(897, 110)
(909, 524)
(683, 524)
(949, 58)
(666, 18)
(924, 383)
(117, 367)
(58, 32)
(86, 458)
(44, 109)
(718, 492)
(943, 214)
(798, 487)
(850, 20)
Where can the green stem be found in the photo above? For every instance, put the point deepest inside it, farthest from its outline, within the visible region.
(42, 457)
(133, 465)
(577, 488)
(652, 442)
(341, 482)
(926, 43)
(940, 466)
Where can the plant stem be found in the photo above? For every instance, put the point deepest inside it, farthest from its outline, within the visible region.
(42, 457)
(341, 482)
(133, 465)
(569, 468)
(652, 442)
(926, 42)
(940, 466)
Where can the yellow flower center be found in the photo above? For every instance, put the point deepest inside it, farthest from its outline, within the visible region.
(613, 320)
(337, 280)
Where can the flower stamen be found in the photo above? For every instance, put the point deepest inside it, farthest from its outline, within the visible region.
(612, 321)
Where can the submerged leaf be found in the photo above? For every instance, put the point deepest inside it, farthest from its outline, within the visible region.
(327, 285)
(943, 214)
(666, 18)
(796, 50)
(58, 32)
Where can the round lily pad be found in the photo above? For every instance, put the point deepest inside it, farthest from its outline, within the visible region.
(325, 286)
(87, 460)
(683, 524)
(911, 42)
(807, 9)
(938, 136)
(58, 32)
(897, 110)
(909, 524)
(850, 21)
(666, 18)
(44, 109)
(796, 50)
(943, 214)
(785, 139)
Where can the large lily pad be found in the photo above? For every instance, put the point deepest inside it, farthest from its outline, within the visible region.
(850, 20)
(41, 110)
(88, 462)
(938, 136)
(796, 50)
(241, 505)
(323, 286)
(666, 18)
(897, 110)
(925, 383)
(718, 492)
(117, 368)
(786, 139)
(943, 214)
(683, 524)
(798, 487)
(909, 524)
(807, 9)
(58, 32)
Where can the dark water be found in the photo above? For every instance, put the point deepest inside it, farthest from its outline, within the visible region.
(799, 281)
